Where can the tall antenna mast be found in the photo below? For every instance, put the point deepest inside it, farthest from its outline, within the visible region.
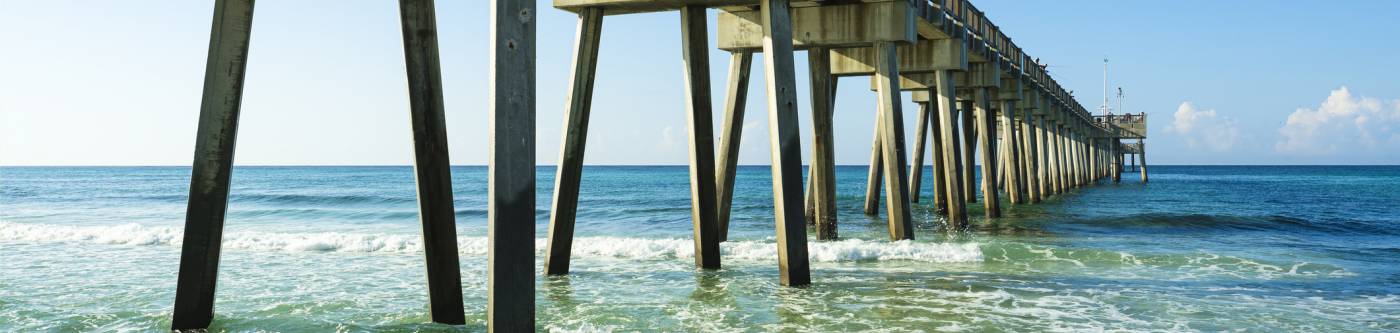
(1103, 110)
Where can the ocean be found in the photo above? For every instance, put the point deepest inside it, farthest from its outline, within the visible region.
(1200, 248)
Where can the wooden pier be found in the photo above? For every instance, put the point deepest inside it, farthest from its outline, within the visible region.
(979, 95)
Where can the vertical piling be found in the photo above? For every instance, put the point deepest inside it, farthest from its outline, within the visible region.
(695, 50)
(916, 169)
(873, 175)
(570, 170)
(969, 151)
(823, 167)
(986, 134)
(892, 141)
(945, 94)
(1032, 154)
(213, 163)
(431, 166)
(1142, 150)
(785, 144)
(1015, 185)
(511, 220)
(736, 95)
(940, 180)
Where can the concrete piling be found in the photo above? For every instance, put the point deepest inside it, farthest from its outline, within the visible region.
(511, 218)
(569, 172)
(736, 95)
(213, 164)
(785, 144)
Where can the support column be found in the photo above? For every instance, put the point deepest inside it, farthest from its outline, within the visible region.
(570, 170)
(1015, 185)
(695, 51)
(986, 134)
(213, 164)
(823, 169)
(1142, 150)
(940, 180)
(946, 96)
(1115, 147)
(969, 149)
(1048, 129)
(1031, 165)
(736, 95)
(786, 145)
(892, 141)
(511, 221)
(1062, 145)
(1043, 157)
(873, 175)
(916, 169)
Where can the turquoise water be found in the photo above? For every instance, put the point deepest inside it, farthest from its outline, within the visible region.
(1264, 249)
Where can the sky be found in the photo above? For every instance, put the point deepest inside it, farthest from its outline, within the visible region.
(1222, 82)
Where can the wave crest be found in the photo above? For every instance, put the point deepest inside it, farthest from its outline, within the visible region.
(849, 250)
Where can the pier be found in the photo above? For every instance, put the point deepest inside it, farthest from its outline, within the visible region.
(985, 107)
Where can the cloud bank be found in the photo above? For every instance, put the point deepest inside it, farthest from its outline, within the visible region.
(1342, 124)
(1204, 128)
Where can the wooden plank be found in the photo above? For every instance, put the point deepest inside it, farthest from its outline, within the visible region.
(986, 135)
(736, 97)
(823, 169)
(431, 165)
(916, 169)
(213, 164)
(699, 118)
(511, 219)
(785, 144)
(873, 176)
(946, 97)
(570, 170)
(892, 143)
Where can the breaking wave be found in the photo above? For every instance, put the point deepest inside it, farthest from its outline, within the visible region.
(850, 250)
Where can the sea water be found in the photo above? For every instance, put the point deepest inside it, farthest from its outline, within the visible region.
(1309, 249)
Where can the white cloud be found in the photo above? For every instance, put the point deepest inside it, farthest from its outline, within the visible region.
(1342, 123)
(1204, 128)
(668, 138)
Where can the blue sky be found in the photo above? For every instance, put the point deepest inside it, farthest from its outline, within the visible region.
(1223, 82)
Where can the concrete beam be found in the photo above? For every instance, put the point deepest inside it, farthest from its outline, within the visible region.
(925, 56)
(846, 25)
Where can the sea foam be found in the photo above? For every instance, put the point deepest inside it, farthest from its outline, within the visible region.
(628, 248)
